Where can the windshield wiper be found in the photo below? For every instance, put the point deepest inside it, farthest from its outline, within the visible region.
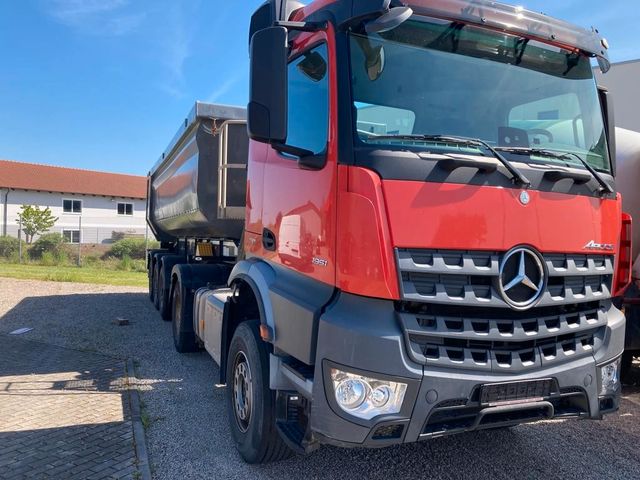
(606, 188)
(517, 175)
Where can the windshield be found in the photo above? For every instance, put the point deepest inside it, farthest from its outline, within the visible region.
(432, 77)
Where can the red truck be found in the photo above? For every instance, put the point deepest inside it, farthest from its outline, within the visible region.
(421, 237)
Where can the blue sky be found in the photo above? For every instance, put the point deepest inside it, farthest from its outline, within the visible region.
(104, 84)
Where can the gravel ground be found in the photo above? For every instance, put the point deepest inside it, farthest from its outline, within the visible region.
(188, 436)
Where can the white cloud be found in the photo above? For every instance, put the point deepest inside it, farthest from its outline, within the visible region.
(96, 17)
(222, 89)
(175, 47)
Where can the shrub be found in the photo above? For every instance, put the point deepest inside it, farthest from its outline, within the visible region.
(90, 260)
(47, 259)
(10, 247)
(124, 264)
(52, 243)
(129, 247)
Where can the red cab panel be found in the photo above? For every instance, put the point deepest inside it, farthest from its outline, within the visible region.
(466, 217)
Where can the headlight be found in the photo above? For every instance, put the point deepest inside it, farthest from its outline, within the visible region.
(610, 377)
(366, 397)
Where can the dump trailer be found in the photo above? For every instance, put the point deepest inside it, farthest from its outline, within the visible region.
(628, 160)
(431, 240)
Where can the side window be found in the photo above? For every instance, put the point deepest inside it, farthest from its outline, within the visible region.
(72, 206)
(308, 114)
(125, 208)
(554, 120)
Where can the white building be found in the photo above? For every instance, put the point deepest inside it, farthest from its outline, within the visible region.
(92, 207)
(623, 81)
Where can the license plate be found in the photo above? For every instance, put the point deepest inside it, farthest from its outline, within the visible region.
(509, 393)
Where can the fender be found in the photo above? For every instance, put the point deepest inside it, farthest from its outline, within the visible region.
(290, 305)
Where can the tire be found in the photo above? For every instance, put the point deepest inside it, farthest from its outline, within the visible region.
(152, 282)
(626, 365)
(156, 285)
(164, 305)
(184, 338)
(250, 401)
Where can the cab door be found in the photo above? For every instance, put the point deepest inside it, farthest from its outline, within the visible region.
(299, 196)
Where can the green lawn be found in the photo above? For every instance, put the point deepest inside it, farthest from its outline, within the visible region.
(88, 274)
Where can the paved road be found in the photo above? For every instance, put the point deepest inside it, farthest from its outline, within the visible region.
(63, 414)
(187, 434)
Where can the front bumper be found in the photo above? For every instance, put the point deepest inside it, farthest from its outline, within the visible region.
(363, 335)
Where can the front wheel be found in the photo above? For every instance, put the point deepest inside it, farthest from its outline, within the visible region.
(250, 401)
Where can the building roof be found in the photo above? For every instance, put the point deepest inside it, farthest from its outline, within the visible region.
(47, 178)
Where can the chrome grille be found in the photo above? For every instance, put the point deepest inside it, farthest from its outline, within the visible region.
(502, 344)
(469, 278)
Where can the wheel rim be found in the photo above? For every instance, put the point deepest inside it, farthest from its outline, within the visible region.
(242, 391)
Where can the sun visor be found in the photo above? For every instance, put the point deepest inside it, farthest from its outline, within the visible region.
(518, 20)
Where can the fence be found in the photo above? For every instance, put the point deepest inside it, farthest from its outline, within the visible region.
(90, 234)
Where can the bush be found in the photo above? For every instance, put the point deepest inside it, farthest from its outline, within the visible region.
(47, 259)
(129, 247)
(10, 247)
(52, 243)
(124, 264)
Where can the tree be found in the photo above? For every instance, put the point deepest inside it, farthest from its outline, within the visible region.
(35, 221)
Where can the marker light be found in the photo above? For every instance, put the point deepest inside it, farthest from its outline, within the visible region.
(366, 397)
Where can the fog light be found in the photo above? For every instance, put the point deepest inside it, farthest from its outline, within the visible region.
(366, 397)
(380, 396)
(610, 377)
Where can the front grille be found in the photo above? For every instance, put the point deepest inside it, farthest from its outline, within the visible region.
(470, 277)
(478, 341)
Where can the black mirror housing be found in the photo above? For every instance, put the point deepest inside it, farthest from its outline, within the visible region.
(606, 103)
(268, 100)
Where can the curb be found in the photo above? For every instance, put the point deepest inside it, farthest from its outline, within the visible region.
(139, 439)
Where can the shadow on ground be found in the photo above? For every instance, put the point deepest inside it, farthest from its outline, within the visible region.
(187, 424)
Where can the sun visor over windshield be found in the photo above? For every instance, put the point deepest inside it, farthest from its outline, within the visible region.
(519, 21)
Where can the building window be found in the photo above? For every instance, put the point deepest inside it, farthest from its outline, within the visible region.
(125, 208)
(71, 236)
(71, 206)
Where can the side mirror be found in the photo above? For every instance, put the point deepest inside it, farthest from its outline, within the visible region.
(606, 102)
(267, 109)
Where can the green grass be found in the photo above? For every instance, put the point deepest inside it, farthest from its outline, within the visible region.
(87, 274)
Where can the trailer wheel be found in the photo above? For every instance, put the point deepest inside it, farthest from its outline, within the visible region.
(250, 401)
(184, 338)
(163, 296)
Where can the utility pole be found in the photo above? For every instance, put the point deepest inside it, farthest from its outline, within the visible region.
(20, 237)
(80, 241)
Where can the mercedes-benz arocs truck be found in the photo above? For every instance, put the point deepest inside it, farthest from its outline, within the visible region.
(421, 237)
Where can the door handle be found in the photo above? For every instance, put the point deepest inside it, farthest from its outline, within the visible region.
(268, 239)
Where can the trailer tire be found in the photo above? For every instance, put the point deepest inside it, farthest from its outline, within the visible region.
(150, 275)
(156, 281)
(164, 305)
(184, 338)
(250, 401)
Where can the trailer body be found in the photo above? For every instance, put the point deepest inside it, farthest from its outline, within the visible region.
(197, 187)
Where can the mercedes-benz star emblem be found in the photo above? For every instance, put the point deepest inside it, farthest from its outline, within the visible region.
(522, 278)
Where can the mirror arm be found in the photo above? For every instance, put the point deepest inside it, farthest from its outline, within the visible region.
(302, 26)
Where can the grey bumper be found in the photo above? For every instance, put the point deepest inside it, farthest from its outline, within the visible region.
(363, 335)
